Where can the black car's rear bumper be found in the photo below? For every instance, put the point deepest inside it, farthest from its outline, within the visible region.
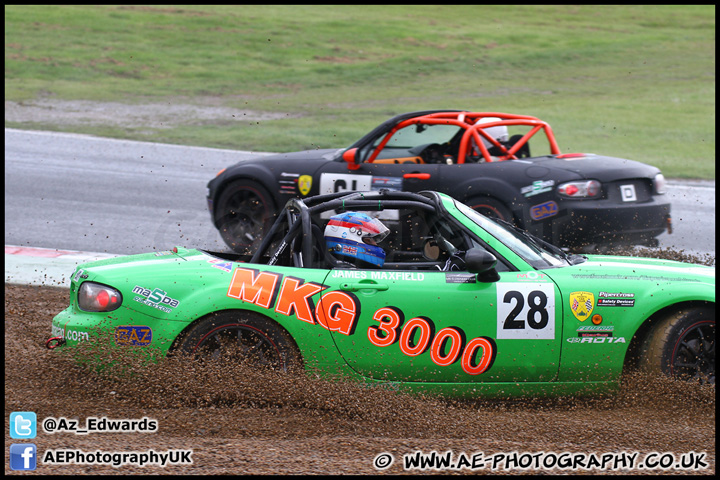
(592, 222)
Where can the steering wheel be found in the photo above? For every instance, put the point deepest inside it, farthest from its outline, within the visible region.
(433, 153)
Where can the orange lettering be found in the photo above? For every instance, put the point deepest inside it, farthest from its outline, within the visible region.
(250, 285)
(390, 319)
(338, 312)
(486, 359)
(296, 298)
(455, 338)
(426, 332)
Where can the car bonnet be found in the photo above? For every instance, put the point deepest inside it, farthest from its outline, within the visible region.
(638, 269)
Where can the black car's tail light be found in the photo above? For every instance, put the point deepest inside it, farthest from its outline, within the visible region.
(659, 184)
(95, 297)
(580, 189)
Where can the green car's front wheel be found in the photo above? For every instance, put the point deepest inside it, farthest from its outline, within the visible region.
(242, 337)
(682, 346)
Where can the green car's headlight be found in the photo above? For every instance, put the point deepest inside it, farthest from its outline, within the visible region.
(95, 297)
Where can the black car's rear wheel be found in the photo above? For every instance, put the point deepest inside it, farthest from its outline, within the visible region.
(682, 346)
(245, 210)
(242, 337)
(490, 208)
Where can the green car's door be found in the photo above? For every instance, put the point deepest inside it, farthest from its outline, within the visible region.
(446, 326)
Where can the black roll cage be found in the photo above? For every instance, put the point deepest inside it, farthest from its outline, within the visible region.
(297, 213)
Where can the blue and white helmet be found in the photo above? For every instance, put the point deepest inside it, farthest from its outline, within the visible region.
(356, 235)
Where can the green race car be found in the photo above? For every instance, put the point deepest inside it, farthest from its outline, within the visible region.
(411, 288)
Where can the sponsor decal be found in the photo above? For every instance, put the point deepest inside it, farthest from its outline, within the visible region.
(79, 274)
(615, 295)
(338, 311)
(595, 328)
(595, 334)
(543, 210)
(288, 182)
(70, 334)
(163, 253)
(531, 276)
(460, 278)
(616, 299)
(615, 302)
(634, 278)
(138, 335)
(582, 304)
(304, 184)
(155, 298)
(596, 340)
(387, 183)
(223, 265)
(539, 186)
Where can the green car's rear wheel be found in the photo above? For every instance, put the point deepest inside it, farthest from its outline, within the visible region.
(242, 337)
(682, 346)
(245, 210)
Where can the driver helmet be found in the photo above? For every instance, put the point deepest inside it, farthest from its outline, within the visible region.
(356, 235)
(499, 132)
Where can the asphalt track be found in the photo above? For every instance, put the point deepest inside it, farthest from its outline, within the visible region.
(71, 198)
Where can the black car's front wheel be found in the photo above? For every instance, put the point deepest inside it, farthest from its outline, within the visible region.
(245, 210)
(242, 337)
(682, 346)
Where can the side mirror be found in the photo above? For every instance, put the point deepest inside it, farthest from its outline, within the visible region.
(482, 262)
(349, 157)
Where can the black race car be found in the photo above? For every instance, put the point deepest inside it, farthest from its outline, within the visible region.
(573, 200)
